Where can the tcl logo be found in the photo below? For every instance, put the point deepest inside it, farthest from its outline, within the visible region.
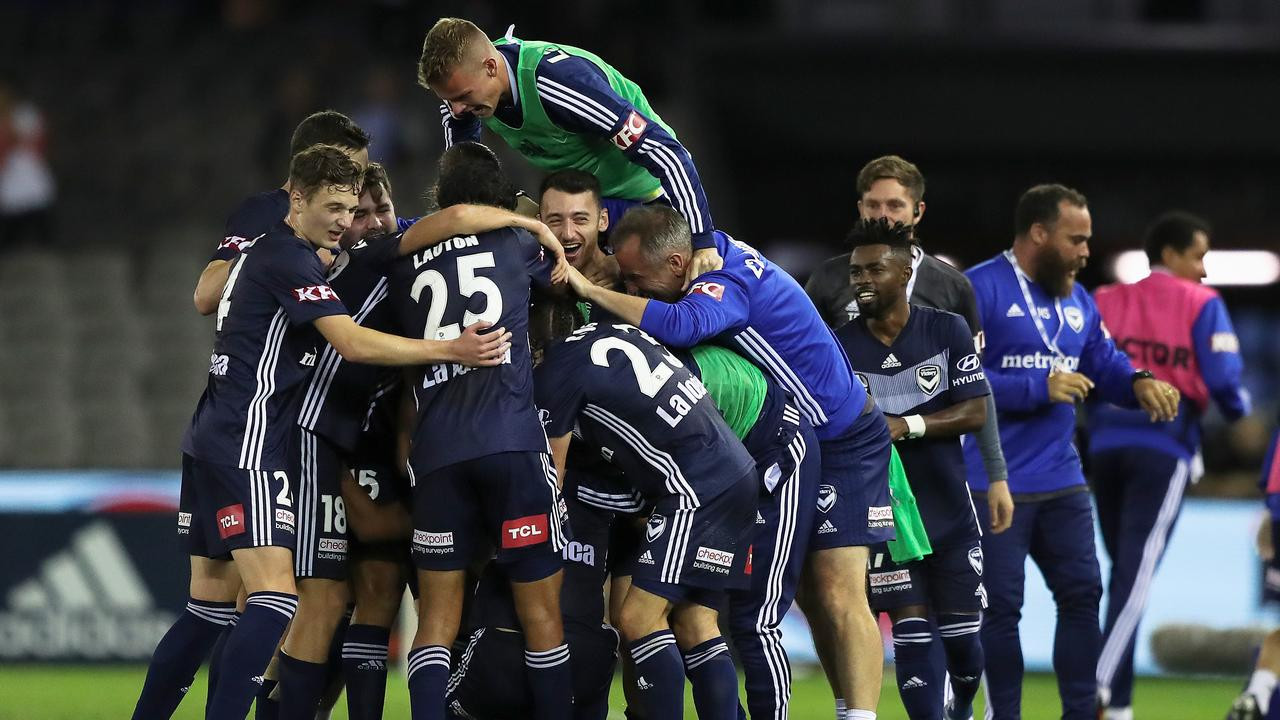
(524, 531)
(630, 131)
(230, 521)
(314, 293)
(750, 551)
(713, 289)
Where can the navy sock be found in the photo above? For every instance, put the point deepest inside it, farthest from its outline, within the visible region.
(551, 681)
(178, 656)
(428, 674)
(215, 657)
(266, 707)
(659, 675)
(249, 651)
(1273, 710)
(961, 638)
(714, 679)
(364, 668)
(918, 682)
(301, 684)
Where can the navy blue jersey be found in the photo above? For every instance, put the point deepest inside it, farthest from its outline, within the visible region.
(619, 390)
(466, 413)
(930, 366)
(336, 402)
(577, 97)
(264, 348)
(585, 572)
(256, 216)
(755, 308)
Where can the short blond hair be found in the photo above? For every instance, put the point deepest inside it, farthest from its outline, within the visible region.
(447, 44)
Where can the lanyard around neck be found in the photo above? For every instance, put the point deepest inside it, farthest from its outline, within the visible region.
(1050, 343)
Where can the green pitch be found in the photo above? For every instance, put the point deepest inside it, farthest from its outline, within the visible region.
(84, 693)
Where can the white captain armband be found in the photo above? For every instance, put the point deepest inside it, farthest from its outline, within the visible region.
(915, 426)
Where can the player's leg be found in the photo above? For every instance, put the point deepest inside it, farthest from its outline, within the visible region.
(624, 544)
(1152, 500)
(489, 680)
(658, 666)
(267, 574)
(902, 590)
(595, 659)
(530, 535)
(320, 565)
(1004, 575)
(378, 576)
(707, 661)
(1063, 548)
(210, 609)
(958, 596)
(1261, 697)
(856, 505)
(446, 526)
(778, 552)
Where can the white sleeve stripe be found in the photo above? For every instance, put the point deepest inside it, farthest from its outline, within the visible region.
(546, 84)
(580, 110)
(679, 179)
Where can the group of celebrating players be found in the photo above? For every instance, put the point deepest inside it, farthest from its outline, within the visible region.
(604, 428)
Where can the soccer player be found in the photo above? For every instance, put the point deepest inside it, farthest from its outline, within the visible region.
(891, 187)
(562, 107)
(336, 405)
(624, 394)
(1046, 352)
(486, 684)
(237, 500)
(478, 462)
(1179, 329)
(921, 366)
(756, 308)
(571, 205)
(258, 214)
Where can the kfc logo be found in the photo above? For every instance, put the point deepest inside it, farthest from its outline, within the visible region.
(630, 131)
(314, 293)
(235, 243)
(230, 521)
(525, 531)
(713, 289)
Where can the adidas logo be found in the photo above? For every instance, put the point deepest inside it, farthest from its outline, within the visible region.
(92, 585)
(1015, 310)
(643, 684)
(759, 518)
(646, 558)
(890, 362)
(826, 527)
(914, 683)
(372, 665)
(257, 679)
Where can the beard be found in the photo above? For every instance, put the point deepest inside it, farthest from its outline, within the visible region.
(1053, 273)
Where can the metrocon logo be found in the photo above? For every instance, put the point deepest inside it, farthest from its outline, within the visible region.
(86, 602)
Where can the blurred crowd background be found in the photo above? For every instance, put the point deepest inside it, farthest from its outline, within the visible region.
(129, 130)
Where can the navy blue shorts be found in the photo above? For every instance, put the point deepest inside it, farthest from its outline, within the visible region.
(853, 500)
(482, 686)
(507, 501)
(323, 542)
(224, 508)
(949, 580)
(707, 548)
(373, 465)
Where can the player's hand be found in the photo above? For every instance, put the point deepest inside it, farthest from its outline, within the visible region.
(479, 346)
(1068, 387)
(1000, 505)
(703, 261)
(548, 240)
(897, 427)
(1158, 398)
(580, 284)
(326, 256)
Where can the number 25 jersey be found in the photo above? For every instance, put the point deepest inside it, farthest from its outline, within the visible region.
(463, 412)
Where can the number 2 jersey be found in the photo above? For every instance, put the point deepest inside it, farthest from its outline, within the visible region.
(264, 348)
(464, 412)
(621, 391)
